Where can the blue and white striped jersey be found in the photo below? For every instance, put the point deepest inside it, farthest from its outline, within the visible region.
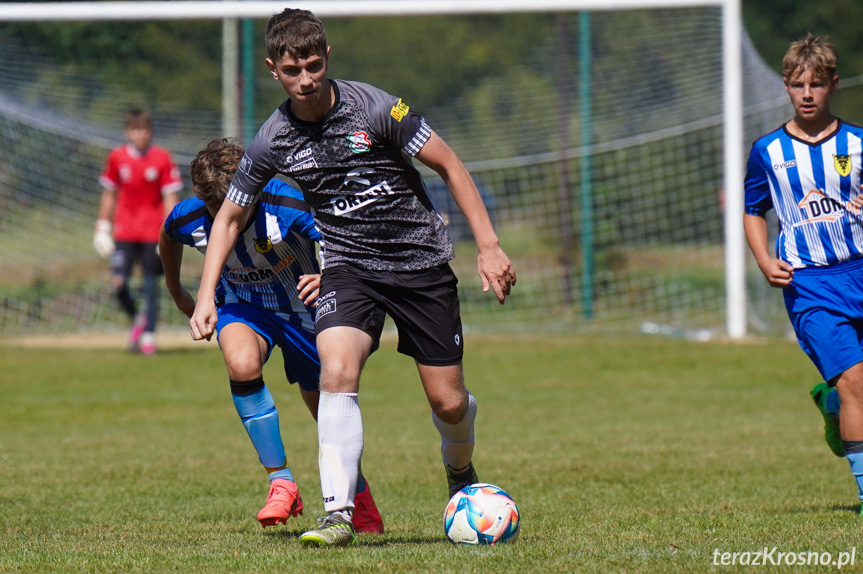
(270, 255)
(811, 186)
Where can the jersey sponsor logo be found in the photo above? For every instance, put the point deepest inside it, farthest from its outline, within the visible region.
(399, 110)
(325, 307)
(818, 207)
(263, 244)
(356, 176)
(360, 142)
(302, 154)
(252, 275)
(842, 163)
(245, 165)
(308, 164)
(348, 203)
(785, 165)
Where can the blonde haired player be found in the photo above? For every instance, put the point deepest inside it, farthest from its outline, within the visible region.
(809, 171)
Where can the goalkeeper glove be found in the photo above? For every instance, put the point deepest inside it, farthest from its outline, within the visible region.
(102, 242)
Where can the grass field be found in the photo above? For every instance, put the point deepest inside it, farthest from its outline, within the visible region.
(624, 455)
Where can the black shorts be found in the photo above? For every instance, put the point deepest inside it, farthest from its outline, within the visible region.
(423, 305)
(126, 253)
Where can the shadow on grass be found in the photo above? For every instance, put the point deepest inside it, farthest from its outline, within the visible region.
(363, 540)
(845, 508)
(376, 540)
(283, 534)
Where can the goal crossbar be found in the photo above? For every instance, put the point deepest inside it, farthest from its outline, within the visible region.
(735, 266)
(214, 9)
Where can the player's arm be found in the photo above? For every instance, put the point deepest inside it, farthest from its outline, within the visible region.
(223, 236)
(778, 273)
(172, 260)
(103, 242)
(170, 185)
(757, 202)
(495, 268)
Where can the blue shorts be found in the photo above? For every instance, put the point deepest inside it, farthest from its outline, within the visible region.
(300, 355)
(825, 305)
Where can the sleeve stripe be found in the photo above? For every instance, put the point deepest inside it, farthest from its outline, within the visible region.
(107, 183)
(419, 140)
(240, 198)
(172, 187)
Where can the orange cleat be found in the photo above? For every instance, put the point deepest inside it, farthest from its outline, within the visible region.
(283, 501)
(366, 517)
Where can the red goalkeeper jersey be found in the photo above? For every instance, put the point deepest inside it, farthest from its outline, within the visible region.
(140, 180)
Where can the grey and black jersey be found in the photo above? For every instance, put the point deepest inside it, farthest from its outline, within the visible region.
(355, 171)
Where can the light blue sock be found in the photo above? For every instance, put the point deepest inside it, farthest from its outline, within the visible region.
(832, 403)
(856, 460)
(282, 473)
(261, 419)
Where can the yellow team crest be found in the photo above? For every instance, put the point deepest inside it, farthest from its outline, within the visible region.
(263, 245)
(400, 110)
(842, 163)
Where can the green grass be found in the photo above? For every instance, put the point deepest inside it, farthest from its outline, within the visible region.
(624, 455)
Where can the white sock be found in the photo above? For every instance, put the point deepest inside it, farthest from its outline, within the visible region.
(457, 440)
(340, 439)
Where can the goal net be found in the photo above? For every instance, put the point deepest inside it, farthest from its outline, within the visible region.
(596, 140)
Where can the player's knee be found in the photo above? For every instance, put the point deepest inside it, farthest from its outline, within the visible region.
(243, 366)
(339, 376)
(451, 408)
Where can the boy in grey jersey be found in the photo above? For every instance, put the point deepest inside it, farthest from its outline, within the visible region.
(384, 251)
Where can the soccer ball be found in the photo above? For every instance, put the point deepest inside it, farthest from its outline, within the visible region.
(481, 514)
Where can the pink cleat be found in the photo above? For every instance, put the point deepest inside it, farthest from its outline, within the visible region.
(366, 516)
(135, 333)
(147, 344)
(283, 501)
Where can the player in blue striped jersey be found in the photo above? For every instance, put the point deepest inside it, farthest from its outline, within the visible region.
(809, 170)
(264, 299)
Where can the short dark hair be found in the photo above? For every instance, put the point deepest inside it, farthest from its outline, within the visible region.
(213, 169)
(297, 33)
(138, 118)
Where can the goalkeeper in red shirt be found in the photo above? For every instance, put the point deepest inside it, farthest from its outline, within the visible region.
(140, 188)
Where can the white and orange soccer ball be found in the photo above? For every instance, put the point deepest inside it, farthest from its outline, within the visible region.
(481, 514)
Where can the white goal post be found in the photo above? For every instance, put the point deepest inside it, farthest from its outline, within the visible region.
(732, 91)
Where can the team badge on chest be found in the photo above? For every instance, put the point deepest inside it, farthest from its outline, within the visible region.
(359, 142)
(842, 163)
(263, 245)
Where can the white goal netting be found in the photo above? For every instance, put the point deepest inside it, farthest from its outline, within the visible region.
(622, 233)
